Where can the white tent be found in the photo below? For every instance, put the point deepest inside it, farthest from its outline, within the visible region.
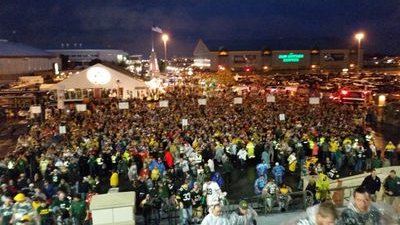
(101, 76)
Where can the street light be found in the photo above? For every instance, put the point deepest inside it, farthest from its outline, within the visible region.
(359, 37)
(165, 38)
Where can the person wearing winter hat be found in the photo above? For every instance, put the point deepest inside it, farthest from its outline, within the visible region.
(244, 215)
(21, 208)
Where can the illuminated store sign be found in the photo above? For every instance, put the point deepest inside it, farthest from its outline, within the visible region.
(291, 57)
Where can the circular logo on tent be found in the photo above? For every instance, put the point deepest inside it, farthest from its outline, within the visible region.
(98, 75)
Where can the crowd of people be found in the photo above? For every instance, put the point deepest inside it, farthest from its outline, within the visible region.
(180, 165)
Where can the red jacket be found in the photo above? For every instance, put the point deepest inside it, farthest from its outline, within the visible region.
(169, 159)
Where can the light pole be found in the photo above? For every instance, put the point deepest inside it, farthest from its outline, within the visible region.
(359, 37)
(165, 38)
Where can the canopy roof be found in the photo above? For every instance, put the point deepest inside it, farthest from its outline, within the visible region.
(115, 79)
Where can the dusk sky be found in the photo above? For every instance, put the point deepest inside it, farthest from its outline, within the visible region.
(126, 24)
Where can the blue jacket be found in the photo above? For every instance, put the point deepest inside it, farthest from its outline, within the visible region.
(278, 170)
(217, 178)
(259, 185)
(265, 158)
(262, 169)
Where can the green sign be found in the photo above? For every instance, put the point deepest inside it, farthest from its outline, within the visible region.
(291, 57)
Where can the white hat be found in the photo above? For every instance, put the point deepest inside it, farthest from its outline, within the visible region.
(276, 164)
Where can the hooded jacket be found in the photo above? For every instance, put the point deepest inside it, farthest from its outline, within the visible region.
(351, 216)
(210, 219)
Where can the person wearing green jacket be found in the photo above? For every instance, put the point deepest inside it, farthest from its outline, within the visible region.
(60, 207)
(44, 213)
(392, 188)
(78, 210)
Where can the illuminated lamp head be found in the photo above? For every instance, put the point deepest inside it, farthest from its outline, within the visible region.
(98, 75)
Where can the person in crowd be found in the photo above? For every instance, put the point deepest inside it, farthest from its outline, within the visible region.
(262, 169)
(78, 210)
(146, 206)
(292, 160)
(390, 149)
(114, 180)
(216, 177)
(242, 156)
(244, 215)
(360, 210)
(22, 207)
(372, 183)
(185, 204)
(44, 213)
(215, 217)
(196, 195)
(227, 170)
(324, 213)
(211, 191)
(60, 207)
(6, 211)
(278, 171)
(259, 184)
(270, 193)
(392, 188)
(265, 157)
(322, 186)
(284, 197)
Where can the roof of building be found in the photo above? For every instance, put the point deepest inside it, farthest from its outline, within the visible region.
(80, 79)
(122, 70)
(13, 49)
(276, 44)
(74, 50)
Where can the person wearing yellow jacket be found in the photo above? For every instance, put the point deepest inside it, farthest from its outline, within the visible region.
(390, 152)
(292, 160)
(250, 150)
(347, 141)
(322, 186)
(114, 180)
(155, 174)
(333, 147)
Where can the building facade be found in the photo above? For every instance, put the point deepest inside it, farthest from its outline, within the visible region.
(83, 57)
(273, 60)
(18, 59)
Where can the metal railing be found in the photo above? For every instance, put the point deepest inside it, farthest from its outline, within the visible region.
(299, 200)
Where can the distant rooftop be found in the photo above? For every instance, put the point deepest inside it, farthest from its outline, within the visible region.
(83, 50)
(276, 44)
(13, 49)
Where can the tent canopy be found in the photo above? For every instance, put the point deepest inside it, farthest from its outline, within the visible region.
(116, 79)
